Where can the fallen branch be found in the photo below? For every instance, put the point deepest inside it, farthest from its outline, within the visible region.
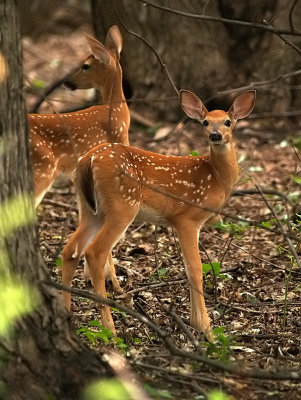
(237, 370)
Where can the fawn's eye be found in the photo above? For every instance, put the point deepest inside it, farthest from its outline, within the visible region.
(85, 66)
(205, 122)
(228, 122)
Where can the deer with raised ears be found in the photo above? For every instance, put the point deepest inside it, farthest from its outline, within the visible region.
(117, 184)
(57, 140)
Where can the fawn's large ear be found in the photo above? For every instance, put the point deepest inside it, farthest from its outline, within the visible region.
(114, 40)
(192, 105)
(98, 50)
(243, 105)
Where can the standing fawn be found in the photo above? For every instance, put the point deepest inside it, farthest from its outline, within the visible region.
(118, 183)
(57, 140)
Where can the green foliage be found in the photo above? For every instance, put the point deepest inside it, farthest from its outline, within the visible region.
(294, 196)
(296, 179)
(158, 393)
(107, 389)
(194, 153)
(160, 274)
(297, 142)
(234, 229)
(100, 333)
(137, 340)
(217, 395)
(59, 262)
(221, 347)
(207, 269)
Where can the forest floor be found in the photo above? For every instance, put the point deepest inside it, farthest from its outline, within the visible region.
(254, 298)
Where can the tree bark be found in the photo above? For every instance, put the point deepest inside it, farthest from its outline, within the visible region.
(43, 357)
(202, 56)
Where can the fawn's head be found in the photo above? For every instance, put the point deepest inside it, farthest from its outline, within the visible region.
(101, 65)
(218, 124)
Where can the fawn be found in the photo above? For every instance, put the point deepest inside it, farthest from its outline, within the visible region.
(118, 183)
(57, 140)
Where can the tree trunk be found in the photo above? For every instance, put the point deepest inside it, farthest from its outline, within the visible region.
(202, 56)
(42, 357)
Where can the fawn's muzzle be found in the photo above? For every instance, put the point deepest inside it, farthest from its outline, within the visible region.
(215, 136)
(69, 85)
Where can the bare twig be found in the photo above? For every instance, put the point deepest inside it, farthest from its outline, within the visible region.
(286, 236)
(150, 46)
(258, 84)
(182, 326)
(291, 15)
(273, 192)
(212, 269)
(285, 40)
(151, 286)
(60, 204)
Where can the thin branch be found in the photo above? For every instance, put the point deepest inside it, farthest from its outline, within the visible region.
(228, 21)
(60, 204)
(258, 84)
(286, 236)
(286, 41)
(291, 15)
(273, 192)
(151, 286)
(212, 269)
(150, 46)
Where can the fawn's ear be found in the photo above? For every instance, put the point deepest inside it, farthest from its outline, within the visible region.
(243, 105)
(114, 40)
(192, 105)
(98, 50)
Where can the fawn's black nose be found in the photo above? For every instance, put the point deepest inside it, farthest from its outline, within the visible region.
(69, 84)
(215, 136)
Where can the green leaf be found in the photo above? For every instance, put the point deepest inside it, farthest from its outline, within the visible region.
(162, 272)
(294, 196)
(194, 153)
(207, 268)
(296, 179)
(266, 224)
(58, 262)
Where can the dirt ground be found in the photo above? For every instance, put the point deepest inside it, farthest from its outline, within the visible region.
(256, 297)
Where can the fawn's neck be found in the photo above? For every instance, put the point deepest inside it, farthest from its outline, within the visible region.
(223, 161)
(112, 91)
